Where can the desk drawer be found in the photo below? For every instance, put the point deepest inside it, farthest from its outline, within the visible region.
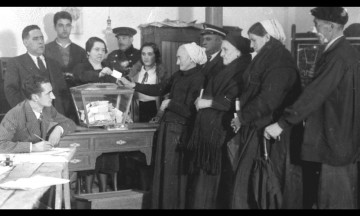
(84, 162)
(129, 140)
(84, 143)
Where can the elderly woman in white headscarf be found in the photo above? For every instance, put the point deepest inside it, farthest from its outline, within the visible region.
(271, 83)
(169, 182)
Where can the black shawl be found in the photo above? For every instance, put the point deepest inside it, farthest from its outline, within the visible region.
(272, 57)
(212, 126)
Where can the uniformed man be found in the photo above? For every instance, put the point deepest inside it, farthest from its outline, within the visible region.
(212, 37)
(124, 58)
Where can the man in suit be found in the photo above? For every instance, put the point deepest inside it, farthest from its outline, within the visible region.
(62, 49)
(126, 56)
(33, 62)
(32, 119)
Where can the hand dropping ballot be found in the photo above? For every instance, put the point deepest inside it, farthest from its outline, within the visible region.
(116, 74)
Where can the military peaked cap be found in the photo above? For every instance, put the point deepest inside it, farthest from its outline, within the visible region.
(211, 29)
(124, 31)
(332, 14)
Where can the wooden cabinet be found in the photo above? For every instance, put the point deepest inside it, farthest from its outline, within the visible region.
(94, 142)
(169, 39)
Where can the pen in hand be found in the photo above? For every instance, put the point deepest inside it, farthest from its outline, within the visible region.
(42, 139)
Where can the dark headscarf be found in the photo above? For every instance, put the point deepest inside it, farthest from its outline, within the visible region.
(239, 42)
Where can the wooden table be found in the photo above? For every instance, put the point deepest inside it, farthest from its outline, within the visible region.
(28, 199)
(95, 141)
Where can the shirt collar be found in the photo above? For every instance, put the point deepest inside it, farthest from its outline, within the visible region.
(35, 57)
(331, 42)
(66, 45)
(150, 70)
(213, 55)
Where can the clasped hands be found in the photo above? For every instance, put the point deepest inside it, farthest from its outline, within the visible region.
(53, 141)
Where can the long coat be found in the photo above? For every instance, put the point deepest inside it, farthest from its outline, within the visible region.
(330, 107)
(271, 83)
(19, 126)
(169, 181)
(20, 67)
(213, 67)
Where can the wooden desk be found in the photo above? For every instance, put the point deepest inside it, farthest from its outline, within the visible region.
(94, 141)
(28, 199)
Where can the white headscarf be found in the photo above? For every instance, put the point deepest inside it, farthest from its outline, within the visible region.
(197, 54)
(274, 28)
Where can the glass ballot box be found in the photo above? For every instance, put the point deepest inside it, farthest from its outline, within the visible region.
(102, 105)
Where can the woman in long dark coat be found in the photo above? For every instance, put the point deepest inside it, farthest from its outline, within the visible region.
(169, 182)
(271, 83)
(206, 148)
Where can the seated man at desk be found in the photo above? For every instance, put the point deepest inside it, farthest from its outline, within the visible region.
(34, 124)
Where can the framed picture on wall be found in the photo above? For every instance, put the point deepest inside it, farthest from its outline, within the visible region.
(77, 19)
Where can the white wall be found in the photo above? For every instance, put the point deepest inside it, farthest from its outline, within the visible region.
(304, 20)
(14, 19)
(245, 17)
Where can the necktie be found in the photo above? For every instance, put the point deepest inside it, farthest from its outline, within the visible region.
(41, 65)
(145, 78)
(40, 125)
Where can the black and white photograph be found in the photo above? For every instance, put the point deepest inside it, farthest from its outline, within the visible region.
(231, 108)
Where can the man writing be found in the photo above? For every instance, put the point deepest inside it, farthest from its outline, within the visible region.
(34, 124)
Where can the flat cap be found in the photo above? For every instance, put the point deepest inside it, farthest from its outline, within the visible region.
(124, 31)
(241, 43)
(332, 14)
(211, 29)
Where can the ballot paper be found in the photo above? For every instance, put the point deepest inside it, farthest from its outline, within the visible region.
(32, 182)
(116, 74)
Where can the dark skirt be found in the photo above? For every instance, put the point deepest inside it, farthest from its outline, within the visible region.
(211, 191)
(147, 110)
(285, 163)
(169, 182)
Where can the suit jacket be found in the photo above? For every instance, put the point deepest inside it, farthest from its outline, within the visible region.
(20, 67)
(19, 125)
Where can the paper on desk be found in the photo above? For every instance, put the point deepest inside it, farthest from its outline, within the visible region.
(4, 169)
(33, 182)
(116, 74)
(54, 155)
